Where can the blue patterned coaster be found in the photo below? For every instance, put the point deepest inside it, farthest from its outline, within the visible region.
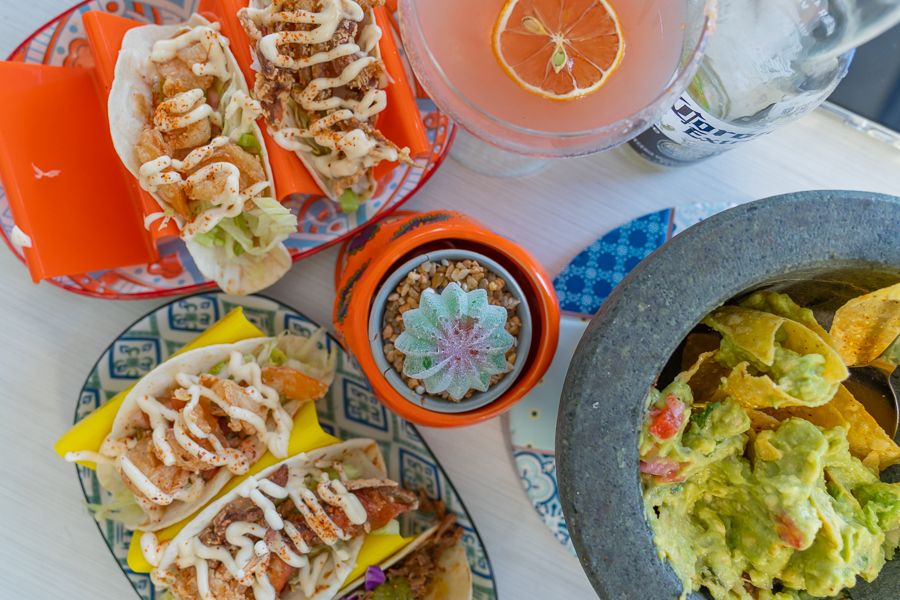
(582, 287)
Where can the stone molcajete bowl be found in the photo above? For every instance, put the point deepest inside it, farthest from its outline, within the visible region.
(821, 247)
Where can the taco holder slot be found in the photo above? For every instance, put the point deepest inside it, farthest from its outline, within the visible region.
(71, 195)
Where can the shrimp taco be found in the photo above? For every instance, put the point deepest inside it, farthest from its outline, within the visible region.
(321, 83)
(183, 123)
(295, 532)
(201, 418)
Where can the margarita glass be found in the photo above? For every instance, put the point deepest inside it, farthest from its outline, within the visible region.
(451, 48)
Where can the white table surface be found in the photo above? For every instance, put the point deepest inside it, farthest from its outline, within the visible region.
(49, 546)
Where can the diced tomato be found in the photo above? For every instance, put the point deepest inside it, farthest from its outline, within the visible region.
(380, 506)
(665, 422)
(788, 531)
(279, 573)
(665, 469)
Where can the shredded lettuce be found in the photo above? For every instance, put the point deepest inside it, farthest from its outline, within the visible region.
(120, 505)
(253, 232)
(277, 357)
(121, 508)
(300, 116)
(248, 142)
(217, 368)
(317, 149)
(392, 528)
(351, 471)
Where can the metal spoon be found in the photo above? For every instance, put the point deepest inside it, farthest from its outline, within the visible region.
(887, 585)
(886, 385)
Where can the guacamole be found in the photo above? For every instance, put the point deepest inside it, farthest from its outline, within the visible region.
(892, 354)
(790, 512)
(798, 375)
(773, 360)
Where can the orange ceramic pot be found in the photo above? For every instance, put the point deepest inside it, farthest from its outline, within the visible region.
(378, 250)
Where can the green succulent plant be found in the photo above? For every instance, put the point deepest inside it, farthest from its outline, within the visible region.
(455, 341)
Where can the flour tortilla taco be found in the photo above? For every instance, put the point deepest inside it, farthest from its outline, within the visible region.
(321, 83)
(184, 124)
(434, 567)
(201, 418)
(295, 531)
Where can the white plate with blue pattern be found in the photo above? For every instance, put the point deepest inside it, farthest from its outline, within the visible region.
(349, 410)
(582, 287)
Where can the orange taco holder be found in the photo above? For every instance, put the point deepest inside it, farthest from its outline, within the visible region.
(68, 191)
(370, 257)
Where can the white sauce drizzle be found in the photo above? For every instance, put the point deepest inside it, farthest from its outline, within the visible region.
(190, 107)
(143, 483)
(334, 493)
(229, 203)
(151, 548)
(88, 456)
(216, 62)
(352, 152)
(255, 542)
(162, 216)
(261, 409)
(182, 110)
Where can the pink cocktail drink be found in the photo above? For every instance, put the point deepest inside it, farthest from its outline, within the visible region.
(450, 48)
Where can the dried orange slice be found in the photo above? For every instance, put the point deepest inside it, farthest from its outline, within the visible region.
(559, 49)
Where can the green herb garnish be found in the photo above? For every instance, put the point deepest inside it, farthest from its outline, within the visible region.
(349, 201)
(248, 142)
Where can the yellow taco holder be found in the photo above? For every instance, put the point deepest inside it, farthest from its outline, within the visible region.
(306, 435)
(89, 433)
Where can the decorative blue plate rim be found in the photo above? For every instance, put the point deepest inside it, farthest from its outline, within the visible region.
(484, 584)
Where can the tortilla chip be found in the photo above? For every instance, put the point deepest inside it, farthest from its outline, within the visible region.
(761, 421)
(696, 345)
(868, 441)
(705, 378)
(826, 416)
(784, 306)
(751, 330)
(755, 333)
(866, 326)
(802, 340)
(866, 436)
(761, 391)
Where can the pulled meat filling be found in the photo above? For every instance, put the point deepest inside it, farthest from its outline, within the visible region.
(382, 504)
(419, 568)
(279, 89)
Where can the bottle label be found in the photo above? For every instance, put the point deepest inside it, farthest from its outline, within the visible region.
(687, 133)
